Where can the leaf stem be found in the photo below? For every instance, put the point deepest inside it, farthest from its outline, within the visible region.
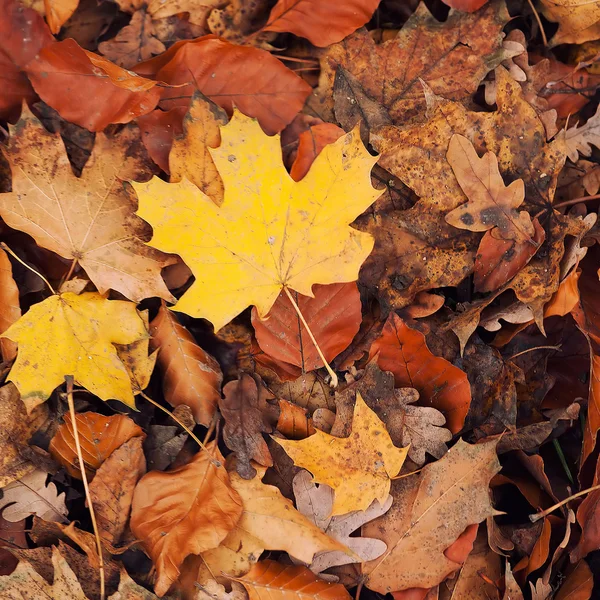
(73, 265)
(69, 380)
(28, 267)
(334, 377)
(532, 350)
(545, 513)
(539, 22)
(576, 201)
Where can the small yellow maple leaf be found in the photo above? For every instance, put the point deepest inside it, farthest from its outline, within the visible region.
(270, 231)
(74, 335)
(358, 467)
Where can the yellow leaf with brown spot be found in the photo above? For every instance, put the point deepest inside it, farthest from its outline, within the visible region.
(358, 467)
(270, 232)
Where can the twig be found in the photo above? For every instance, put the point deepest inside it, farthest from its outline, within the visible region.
(28, 267)
(539, 22)
(69, 380)
(533, 349)
(334, 377)
(544, 513)
(577, 201)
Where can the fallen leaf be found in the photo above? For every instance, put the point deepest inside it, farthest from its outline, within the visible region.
(245, 424)
(88, 219)
(134, 43)
(358, 467)
(333, 315)
(58, 12)
(10, 309)
(130, 590)
(185, 511)
(255, 82)
(74, 335)
(191, 376)
(578, 585)
(578, 20)
(270, 579)
(579, 140)
(451, 57)
(316, 504)
(24, 583)
(198, 10)
(440, 384)
(110, 94)
(31, 496)
(431, 510)
(465, 5)
(322, 23)
(242, 269)
(111, 491)
(310, 144)
(293, 421)
(99, 437)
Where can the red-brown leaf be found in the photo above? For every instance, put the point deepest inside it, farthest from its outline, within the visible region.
(333, 315)
(159, 128)
(310, 143)
(10, 310)
(251, 79)
(404, 352)
(87, 89)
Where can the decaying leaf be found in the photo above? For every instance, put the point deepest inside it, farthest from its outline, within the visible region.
(88, 219)
(430, 511)
(31, 496)
(579, 20)
(358, 467)
(316, 503)
(191, 376)
(242, 270)
(579, 140)
(188, 510)
(99, 436)
(211, 590)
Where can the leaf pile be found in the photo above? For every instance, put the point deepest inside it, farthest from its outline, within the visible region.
(326, 277)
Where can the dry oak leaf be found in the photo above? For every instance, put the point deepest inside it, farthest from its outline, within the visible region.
(404, 352)
(451, 57)
(130, 590)
(99, 437)
(198, 10)
(10, 309)
(25, 583)
(58, 12)
(245, 424)
(268, 234)
(191, 376)
(430, 511)
(578, 20)
(252, 80)
(111, 491)
(188, 510)
(333, 315)
(74, 335)
(316, 503)
(212, 590)
(87, 89)
(269, 522)
(358, 467)
(134, 43)
(322, 23)
(90, 218)
(578, 139)
(31, 496)
(270, 580)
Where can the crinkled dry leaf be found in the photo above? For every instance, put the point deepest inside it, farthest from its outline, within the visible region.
(90, 218)
(74, 335)
(191, 376)
(31, 496)
(580, 139)
(358, 467)
(578, 20)
(188, 510)
(130, 590)
(316, 504)
(295, 218)
(99, 436)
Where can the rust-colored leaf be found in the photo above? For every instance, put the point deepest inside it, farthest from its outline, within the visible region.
(188, 510)
(404, 352)
(190, 375)
(10, 309)
(310, 144)
(293, 422)
(100, 436)
(333, 316)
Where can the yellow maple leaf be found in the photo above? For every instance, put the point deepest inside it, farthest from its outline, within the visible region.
(270, 232)
(358, 467)
(74, 335)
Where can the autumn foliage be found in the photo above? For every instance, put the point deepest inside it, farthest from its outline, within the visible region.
(299, 299)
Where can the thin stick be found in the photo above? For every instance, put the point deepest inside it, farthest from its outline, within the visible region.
(69, 380)
(539, 22)
(73, 265)
(532, 350)
(545, 513)
(577, 201)
(177, 420)
(213, 425)
(334, 377)
(28, 267)
(359, 588)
